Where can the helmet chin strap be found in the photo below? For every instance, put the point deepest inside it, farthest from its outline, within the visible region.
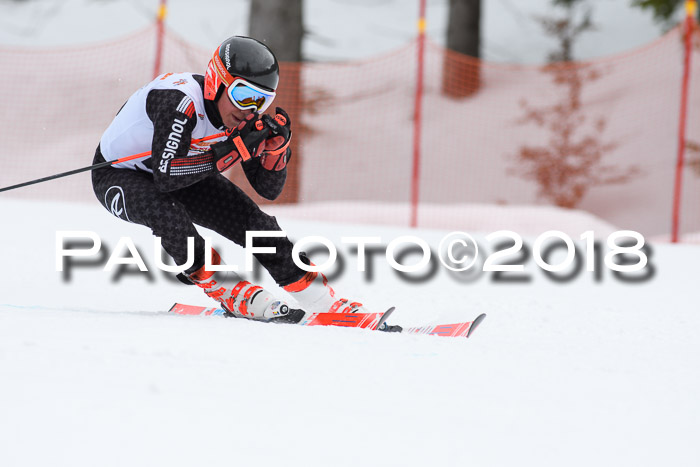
(219, 92)
(212, 109)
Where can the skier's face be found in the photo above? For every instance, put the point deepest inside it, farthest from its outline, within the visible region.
(230, 114)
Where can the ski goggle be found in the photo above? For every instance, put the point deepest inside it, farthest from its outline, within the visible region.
(247, 96)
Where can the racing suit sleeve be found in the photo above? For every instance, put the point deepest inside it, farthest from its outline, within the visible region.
(174, 118)
(267, 183)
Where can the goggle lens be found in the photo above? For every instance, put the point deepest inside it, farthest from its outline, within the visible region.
(246, 96)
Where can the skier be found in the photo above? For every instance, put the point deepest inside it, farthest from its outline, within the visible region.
(180, 117)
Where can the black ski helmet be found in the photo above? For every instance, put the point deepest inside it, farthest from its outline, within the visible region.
(241, 57)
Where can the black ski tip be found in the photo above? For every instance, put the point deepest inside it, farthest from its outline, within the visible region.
(477, 321)
(384, 317)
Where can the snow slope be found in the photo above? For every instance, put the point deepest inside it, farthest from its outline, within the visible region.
(94, 371)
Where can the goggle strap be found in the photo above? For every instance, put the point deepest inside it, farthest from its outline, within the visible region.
(221, 70)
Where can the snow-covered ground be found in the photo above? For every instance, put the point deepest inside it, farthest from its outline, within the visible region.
(93, 371)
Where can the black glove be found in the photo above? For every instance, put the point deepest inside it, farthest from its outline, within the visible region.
(243, 142)
(277, 151)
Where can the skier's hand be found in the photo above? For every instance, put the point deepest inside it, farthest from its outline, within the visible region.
(243, 142)
(276, 162)
(280, 130)
(277, 152)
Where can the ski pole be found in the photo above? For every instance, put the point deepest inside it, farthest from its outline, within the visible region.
(99, 165)
(71, 172)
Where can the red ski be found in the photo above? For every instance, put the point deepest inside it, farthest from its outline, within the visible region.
(448, 330)
(193, 310)
(354, 320)
(349, 320)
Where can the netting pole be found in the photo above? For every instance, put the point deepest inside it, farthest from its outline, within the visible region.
(160, 32)
(415, 177)
(690, 8)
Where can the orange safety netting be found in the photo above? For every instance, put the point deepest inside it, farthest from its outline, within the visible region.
(600, 136)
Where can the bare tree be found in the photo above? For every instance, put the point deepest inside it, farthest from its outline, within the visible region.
(573, 160)
(567, 28)
(461, 76)
(663, 10)
(279, 24)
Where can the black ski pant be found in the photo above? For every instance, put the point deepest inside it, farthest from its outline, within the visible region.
(215, 203)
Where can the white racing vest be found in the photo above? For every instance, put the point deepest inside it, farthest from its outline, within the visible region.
(131, 131)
